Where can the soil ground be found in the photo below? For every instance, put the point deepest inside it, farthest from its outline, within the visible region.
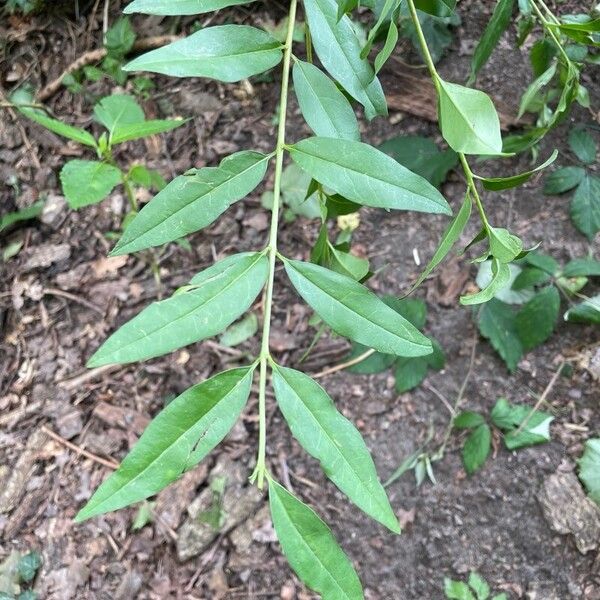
(61, 297)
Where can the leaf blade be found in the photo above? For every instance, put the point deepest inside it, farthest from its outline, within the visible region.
(180, 7)
(86, 182)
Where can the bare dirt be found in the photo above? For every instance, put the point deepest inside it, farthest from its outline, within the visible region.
(60, 298)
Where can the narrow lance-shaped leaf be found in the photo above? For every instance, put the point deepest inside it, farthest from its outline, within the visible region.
(391, 40)
(491, 36)
(332, 439)
(179, 7)
(325, 109)
(191, 202)
(219, 295)
(86, 182)
(226, 52)
(366, 175)
(353, 311)
(468, 120)
(449, 238)
(311, 548)
(135, 131)
(338, 48)
(177, 439)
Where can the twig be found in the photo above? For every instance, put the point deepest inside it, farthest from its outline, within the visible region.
(344, 365)
(61, 440)
(74, 298)
(542, 398)
(97, 55)
(79, 380)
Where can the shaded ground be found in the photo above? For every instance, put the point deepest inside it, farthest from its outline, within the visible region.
(60, 298)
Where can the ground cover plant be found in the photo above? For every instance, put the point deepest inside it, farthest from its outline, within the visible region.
(330, 176)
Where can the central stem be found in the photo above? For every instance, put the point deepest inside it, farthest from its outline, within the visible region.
(260, 469)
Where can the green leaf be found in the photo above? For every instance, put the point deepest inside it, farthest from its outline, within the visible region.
(409, 373)
(191, 202)
(30, 212)
(388, 47)
(496, 26)
(537, 318)
(226, 52)
(86, 182)
(589, 469)
(118, 109)
(325, 109)
(311, 548)
(542, 261)
(468, 420)
(587, 311)
(500, 278)
(179, 7)
(421, 156)
(477, 448)
(375, 363)
(353, 311)
(135, 131)
(217, 296)
(583, 145)
(582, 267)
(177, 439)
(54, 125)
(332, 439)
(450, 237)
(119, 38)
(413, 310)
(437, 8)
(585, 206)
(339, 48)
(503, 245)
(479, 585)
(240, 331)
(532, 92)
(529, 278)
(468, 120)
(28, 566)
(457, 590)
(504, 183)
(564, 179)
(348, 264)
(365, 175)
(506, 293)
(497, 323)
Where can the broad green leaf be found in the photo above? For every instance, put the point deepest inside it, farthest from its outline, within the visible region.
(437, 8)
(589, 469)
(457, 590)
(583, 145)
(468, 120)
(585, 206)
(353, 311)
(496, 26)
(119, 39)
(409, 373)
(582, 267)
(311, 549)
(179, 7)
(496, 322)
(563, 179)
(366, 175)
(118, 109)
(226, 52)
(477, 448)
(332, 439)
(504, 183)
(325, 109)
(479, 585)
(240, 331)
(30, 212)
(500, 278)
(215, 298)
(375, 363)
(339, 48)
(414, 310)
(537, 319)
(177, 439)
(21, 97)
(86, 182)
(587, 311)
(28, 566)
(450, 237)
(542, 261)
(468, 420)
(530, 277)
(421, 156)
(504, 245)
(534, 88)
(191, 202)
(506, 293)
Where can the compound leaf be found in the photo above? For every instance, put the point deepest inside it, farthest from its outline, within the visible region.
(191, 202)
(339, 49)
(178, 438)
(325, 109)
(366, 175)
(332, 439)
(311, 549)
(226, 52)
(215, 298)
(179, 7)
(353, 311)
(86, 182)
